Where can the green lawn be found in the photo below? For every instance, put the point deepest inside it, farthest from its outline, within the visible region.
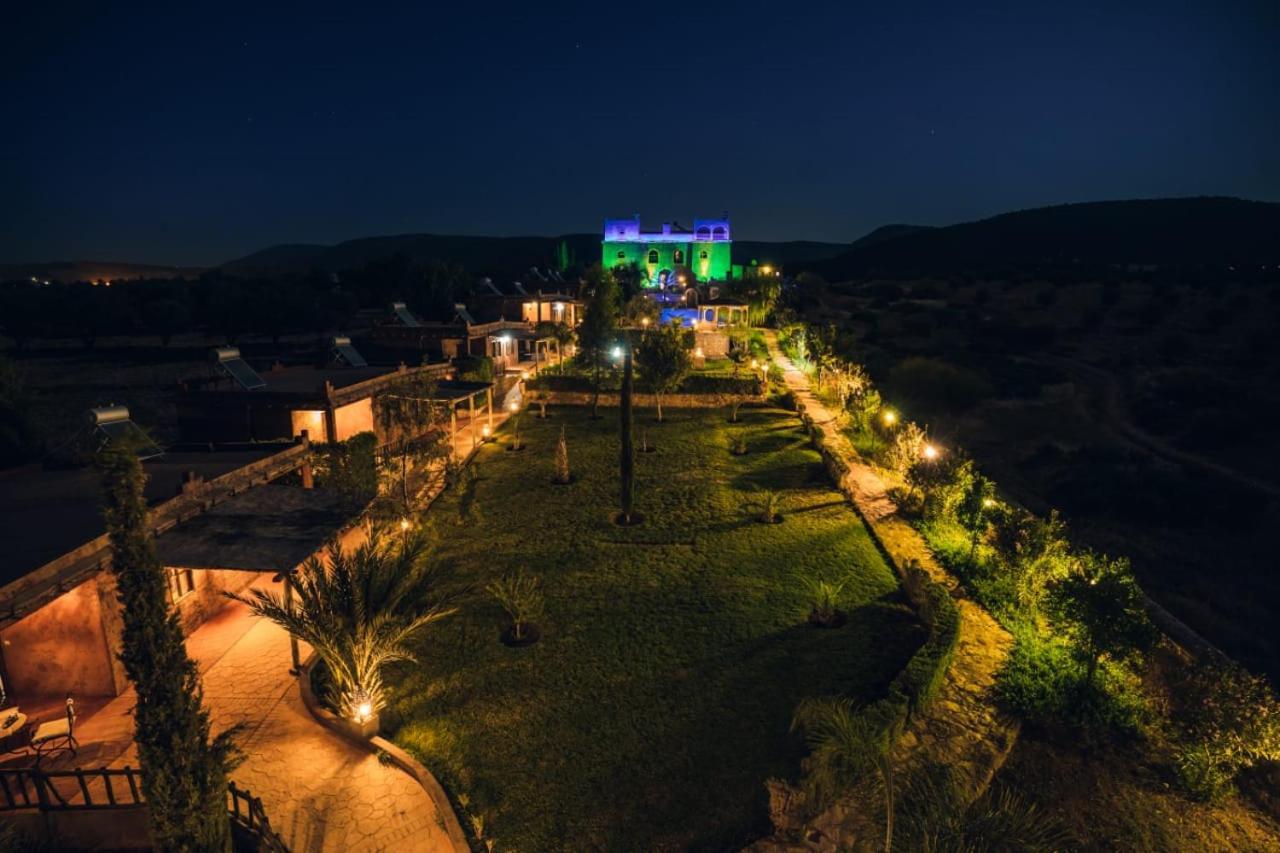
(659, 698)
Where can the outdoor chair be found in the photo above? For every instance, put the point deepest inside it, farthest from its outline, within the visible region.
(56, 735)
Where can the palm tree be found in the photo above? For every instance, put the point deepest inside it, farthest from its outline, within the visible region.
(359, 609)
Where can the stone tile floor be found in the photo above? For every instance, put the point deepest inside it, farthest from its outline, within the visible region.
(320, 792)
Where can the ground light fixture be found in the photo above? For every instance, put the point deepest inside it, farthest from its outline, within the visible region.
(644, 321)
(485, 432)
(988, 503)
(513, 406)
(404, 525)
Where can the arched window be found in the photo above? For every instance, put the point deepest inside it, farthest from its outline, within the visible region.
(679, 257)
(718, 233)
(622, 255)
(653, 256)
(702, 256)
(704, 233)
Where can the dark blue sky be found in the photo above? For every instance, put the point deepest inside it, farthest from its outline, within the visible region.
(180, 134)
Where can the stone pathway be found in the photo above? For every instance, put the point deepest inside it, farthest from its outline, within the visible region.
(963, 729)
(320, 792)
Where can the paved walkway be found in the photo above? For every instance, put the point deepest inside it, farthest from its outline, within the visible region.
(320, 792)
(962, 729)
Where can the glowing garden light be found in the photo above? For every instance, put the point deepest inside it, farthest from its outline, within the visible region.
(988, 503)
(930, 452)
(404, 525)
(486, 431)
(513, 407)
(889, 417)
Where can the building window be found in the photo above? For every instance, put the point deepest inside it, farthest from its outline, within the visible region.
(181, 582)
(653, 256)
(622, 255)
(704, 233)
(702, 256)
(718, 233)
(679, 257)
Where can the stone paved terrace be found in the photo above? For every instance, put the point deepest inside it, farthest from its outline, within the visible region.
(320, 792)
(963, 729)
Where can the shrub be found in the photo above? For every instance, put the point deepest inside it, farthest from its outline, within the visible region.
(904, 448)
(824, 595)
(1100, 606)
(1203, 773)
(474, 368)
(1232, 715)
(520, 595)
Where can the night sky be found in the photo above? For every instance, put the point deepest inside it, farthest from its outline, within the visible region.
(195, 135)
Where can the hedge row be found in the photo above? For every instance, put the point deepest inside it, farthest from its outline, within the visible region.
(693, 384)
(922, 677)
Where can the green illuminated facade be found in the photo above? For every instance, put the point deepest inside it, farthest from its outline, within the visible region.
(703, 250)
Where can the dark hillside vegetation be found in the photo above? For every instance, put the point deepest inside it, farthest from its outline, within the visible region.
(1163, 232)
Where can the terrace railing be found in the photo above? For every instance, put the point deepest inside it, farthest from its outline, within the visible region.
(106, 788)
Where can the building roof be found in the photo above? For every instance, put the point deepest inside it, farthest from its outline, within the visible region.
(47, 513)
(266, 528)
(307, 381)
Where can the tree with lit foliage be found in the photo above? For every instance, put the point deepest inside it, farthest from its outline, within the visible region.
(971, 511)
(409, 418)
(1100, 606)
(599, 330)
(184, 771)
(664, 360)
(561, 334)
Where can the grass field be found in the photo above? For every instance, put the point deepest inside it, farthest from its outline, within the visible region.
(658, 700)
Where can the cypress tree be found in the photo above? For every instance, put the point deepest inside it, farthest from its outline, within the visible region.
(184, 771)
(627, 461)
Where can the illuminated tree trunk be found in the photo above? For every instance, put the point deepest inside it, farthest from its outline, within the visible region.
(627, 461)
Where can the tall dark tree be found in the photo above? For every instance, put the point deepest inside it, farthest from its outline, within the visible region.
(184, 770)
(627, 463)
(598, 332)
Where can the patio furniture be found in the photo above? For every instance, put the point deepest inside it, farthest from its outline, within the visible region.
(57, 735)
(14, 732)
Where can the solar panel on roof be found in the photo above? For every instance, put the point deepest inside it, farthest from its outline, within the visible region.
(488, 282)
(520, 288)
(464, 313)
(237, 368)
(343, 349)
(404, 315)
(111, 424)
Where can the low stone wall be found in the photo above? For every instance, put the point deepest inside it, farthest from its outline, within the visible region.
(962, 728)
(647, 401)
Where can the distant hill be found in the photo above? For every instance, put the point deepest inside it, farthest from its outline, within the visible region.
(93, 271)
(1162, 232)
(492, 256)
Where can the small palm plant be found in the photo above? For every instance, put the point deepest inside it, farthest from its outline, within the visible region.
(563, 474)
(768, 502)
(824, 595)
(359, 609)
(520, 595)
(845, 744)
(738, 444)
(541, 399)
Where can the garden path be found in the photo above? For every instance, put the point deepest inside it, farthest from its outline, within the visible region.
(963, 728)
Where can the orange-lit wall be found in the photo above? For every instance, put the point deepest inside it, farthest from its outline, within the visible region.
(62, 648)
(313, 422)
(354, 418)
(206, 597)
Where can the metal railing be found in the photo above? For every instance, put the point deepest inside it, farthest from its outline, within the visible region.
(106, 788)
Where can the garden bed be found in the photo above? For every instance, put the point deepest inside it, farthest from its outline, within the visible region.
(658, 699)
